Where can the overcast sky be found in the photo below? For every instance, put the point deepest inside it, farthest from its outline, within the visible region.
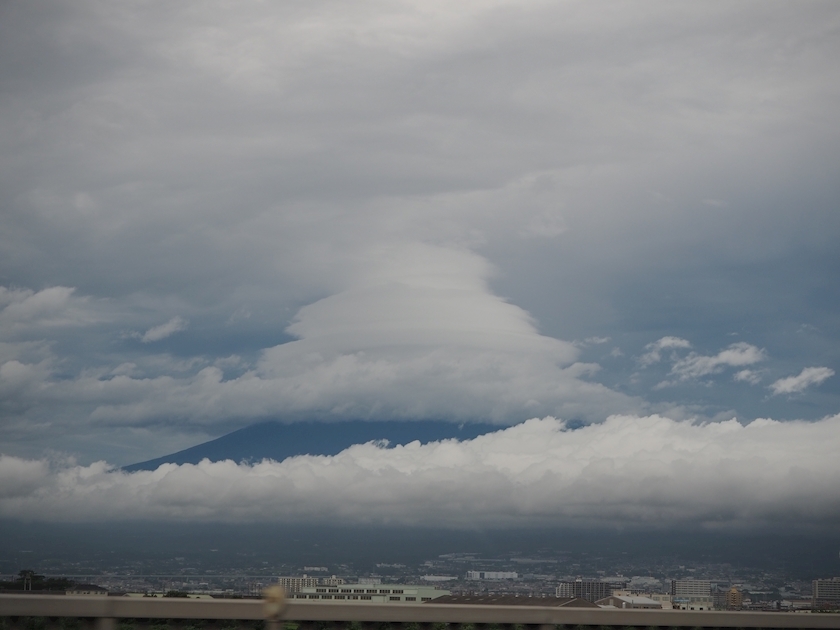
(213, 214)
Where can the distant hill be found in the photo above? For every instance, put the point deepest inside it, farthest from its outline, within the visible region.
(277, 440)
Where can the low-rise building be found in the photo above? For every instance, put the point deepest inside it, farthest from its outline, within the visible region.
(513, 600)
(86, 589)
(629, 601)
(492, 575)
(663, 599)
(797, 604)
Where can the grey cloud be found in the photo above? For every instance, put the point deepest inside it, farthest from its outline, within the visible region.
(748, 376)
(736, 355)
(629, 470)
(25, 311)
(592, 341)
(654, 349)
(21, 478)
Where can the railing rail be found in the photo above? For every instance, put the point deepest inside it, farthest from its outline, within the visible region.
(106, 609)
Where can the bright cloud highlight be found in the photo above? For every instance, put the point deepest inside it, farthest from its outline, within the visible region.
(156, 333)
(799, 383)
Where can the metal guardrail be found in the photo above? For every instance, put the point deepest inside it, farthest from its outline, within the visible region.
(104, 610)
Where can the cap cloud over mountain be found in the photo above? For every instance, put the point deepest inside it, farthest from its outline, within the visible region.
(596, 220)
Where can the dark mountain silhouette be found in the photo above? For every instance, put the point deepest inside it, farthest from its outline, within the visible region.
(277, 440)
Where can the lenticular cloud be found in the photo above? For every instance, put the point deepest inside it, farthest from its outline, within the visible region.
(627, 470)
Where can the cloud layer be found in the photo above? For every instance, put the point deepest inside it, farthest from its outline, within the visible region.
(627, 471)
(214, 215)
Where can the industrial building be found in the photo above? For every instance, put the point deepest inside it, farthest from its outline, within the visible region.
(629, 601)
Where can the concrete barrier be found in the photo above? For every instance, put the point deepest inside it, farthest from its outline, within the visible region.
(110, 608)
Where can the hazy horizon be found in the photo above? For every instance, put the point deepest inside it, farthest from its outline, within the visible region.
(196, 548)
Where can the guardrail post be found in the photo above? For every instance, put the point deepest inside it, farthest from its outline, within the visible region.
(105, 623)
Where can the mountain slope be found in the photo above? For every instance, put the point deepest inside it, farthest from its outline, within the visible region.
(276, 440)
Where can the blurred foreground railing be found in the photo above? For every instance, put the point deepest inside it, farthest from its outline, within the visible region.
(49, 612)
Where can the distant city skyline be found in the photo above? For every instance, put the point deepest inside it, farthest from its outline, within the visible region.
(614, 226)
(703, 572)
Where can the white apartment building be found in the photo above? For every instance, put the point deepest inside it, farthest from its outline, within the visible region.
(378, 593)
(588, 589)
(826, 593)
(294, 584)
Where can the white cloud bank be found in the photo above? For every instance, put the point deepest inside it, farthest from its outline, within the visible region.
(799, 383)
(628, 470)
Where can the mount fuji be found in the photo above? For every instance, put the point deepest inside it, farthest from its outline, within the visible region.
(278, 440)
